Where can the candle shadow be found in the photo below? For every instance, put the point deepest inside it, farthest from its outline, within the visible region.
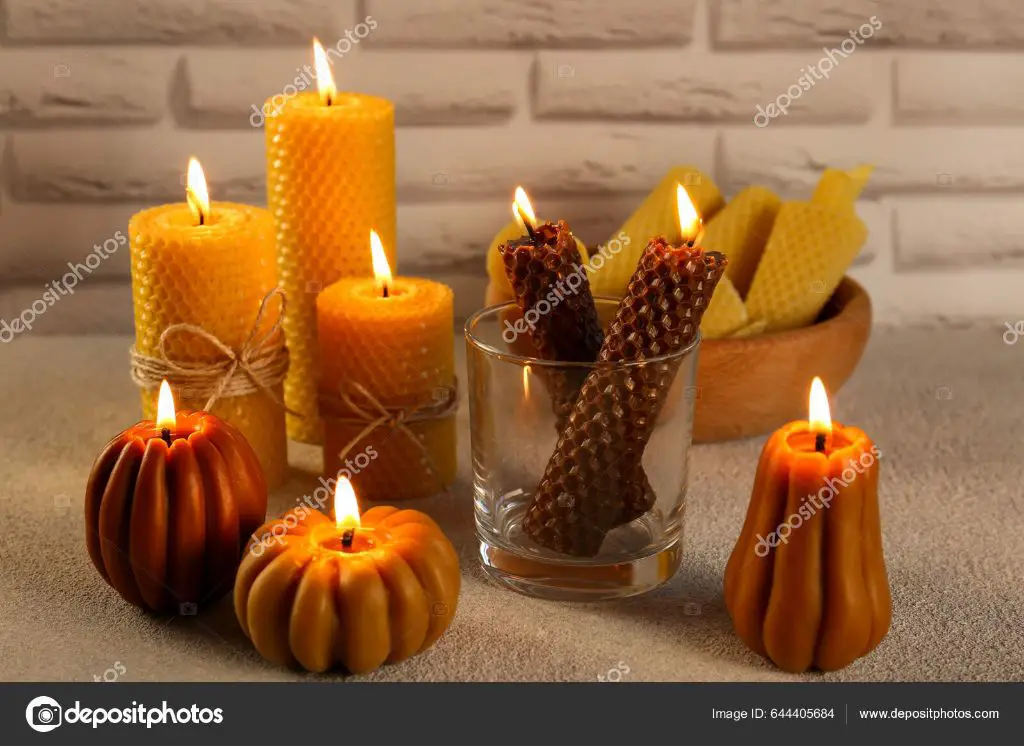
(690, 609)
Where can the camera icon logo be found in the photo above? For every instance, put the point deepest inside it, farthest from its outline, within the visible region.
(44, 714)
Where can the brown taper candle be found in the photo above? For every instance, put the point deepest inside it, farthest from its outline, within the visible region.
(553, 293)
(587, 483)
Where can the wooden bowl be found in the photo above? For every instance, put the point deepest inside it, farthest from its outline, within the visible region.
(752, 386)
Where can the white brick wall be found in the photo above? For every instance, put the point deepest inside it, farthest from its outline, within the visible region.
(585, 102)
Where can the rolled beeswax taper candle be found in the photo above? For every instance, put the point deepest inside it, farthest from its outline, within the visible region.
(550, 284)
(330, 180)
(599, 453)
(388, 383)
(209, 265)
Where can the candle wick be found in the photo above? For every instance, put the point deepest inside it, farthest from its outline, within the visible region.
(202, 220)
(329, 99)
(166, 435)
(347, 538)
(819, 443)
(385, 290)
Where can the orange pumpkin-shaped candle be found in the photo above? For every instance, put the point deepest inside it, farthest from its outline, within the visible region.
(356, 592)
(806, 584)
(169, 506)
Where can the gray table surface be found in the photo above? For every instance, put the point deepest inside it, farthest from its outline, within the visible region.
(945, 406)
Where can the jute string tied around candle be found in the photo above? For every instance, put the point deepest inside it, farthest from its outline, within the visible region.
(374, 414)
(259, 364)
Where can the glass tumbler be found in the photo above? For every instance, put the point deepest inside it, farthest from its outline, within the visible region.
(518, 407)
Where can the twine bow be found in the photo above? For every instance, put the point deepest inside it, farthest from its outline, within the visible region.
(374, 414)
(259, 364)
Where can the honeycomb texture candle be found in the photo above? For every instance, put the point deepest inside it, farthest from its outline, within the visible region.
(330, 181)
(213, 276)
(740, 231)
(811, 246)
(546, 268)
(656, 216)
(401, 350)
(496, 265)
(599, 453)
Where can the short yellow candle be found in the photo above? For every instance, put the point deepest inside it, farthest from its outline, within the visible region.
(210, 265)
(330, 180)
(394, 338)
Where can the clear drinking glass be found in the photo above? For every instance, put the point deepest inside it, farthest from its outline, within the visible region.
(514, 422)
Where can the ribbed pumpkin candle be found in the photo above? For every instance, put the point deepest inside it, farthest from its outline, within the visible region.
(394, 340)
(209, 265)
(330, 180)
(806, 584)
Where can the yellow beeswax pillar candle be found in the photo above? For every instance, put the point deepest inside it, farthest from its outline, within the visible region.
(330, 181)
(210, 265)
(395, 340)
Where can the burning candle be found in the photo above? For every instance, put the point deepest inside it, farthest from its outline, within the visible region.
(595, 480)
(209, 265)
(387, 346)
(354, 592)
(169, 506)
(524, 222)
(330, 180)
(806, 584)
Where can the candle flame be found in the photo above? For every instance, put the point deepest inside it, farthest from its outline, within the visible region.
(346, 508)
(165, 413)
(819, 417)
(324, 78)
(689, 219)
(526, 383)
(523, 211)
(381, 268)
(196, 193)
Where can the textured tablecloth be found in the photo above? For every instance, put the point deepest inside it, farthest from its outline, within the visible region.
(945, 407)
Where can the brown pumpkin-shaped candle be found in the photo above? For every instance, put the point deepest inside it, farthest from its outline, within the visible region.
(353, 593)
(806, 584)
(169, 506)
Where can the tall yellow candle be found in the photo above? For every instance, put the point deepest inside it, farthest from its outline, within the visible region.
(330, 180)
(393, 339)
(209, 265)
